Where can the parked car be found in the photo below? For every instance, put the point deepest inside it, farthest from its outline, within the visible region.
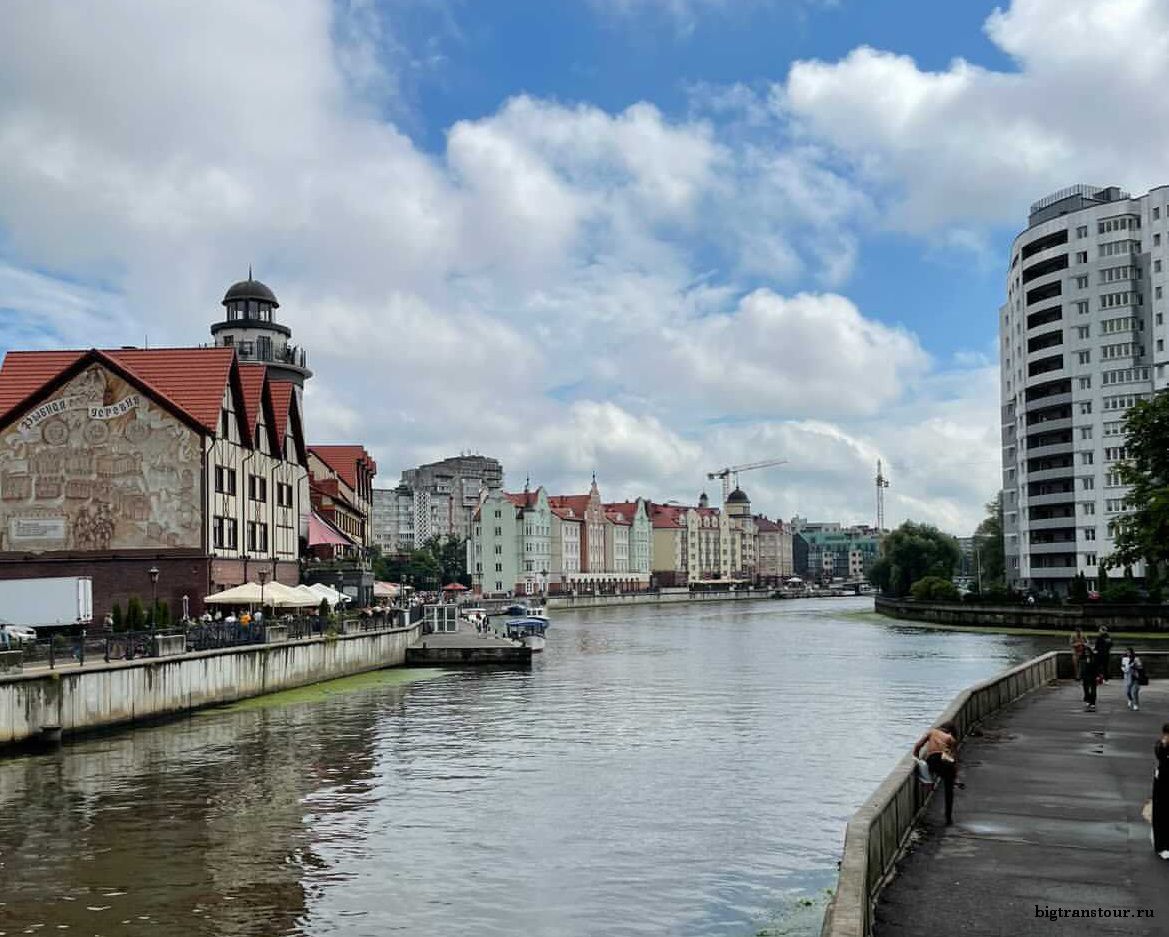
(19, 634)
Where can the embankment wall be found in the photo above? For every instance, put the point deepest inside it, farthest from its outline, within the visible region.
(99, 695)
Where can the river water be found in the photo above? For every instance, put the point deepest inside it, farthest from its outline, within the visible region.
(680, 771)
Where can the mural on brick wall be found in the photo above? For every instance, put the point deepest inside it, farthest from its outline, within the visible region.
(98, 466)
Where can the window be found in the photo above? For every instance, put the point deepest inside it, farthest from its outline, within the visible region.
(1089, 559)
(1086, 407)
(1115, 453)
(1160, 344)
(498, 515)
(1083, 331)
(1087, 483)
(1082, 307)
(1126, 376)
(1125, 298)
(1160, 318)
(1156, 266)
(1086, 458)
(1082, 231)
(283, 495)
(1122, 401)
(1085, 383)
(1120, 350)
(1085, 432)
(498, 550)
(1115, 505)
(1115, 428)
(1112, 274)
(1112, 479)
(257, 537)
(1081, 257)
(1157, 292)
(224, 480)
(1081, 283)
(1083, 357)
(224, 533)
(499, 531)
(1119, 248)
(257, 488)
(1156, 213)
(1156, 240)
(1088, 508)
(1120, 324)
(1089, 533)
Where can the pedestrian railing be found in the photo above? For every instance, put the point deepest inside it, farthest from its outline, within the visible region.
(88, 647)
(877, 833)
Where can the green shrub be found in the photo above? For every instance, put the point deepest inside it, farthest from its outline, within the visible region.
(135, 614)
(934, 589)
(118, 617)
(1124, 592)
(1078, 593)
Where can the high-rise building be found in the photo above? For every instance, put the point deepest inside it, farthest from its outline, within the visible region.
(1081, 338)
(441, 498)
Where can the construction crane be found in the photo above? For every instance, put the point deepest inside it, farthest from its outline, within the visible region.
(882, 484)
(731, 473)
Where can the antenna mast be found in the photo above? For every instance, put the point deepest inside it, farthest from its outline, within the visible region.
(882, 484)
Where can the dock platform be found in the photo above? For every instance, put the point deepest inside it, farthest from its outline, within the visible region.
(1050, 821)
(467, 648)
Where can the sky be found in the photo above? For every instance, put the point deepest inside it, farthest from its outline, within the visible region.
(641, 238)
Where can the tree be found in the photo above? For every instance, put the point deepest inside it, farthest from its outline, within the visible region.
(1143, 532)
(135, 614)
(988, 542)
(912, 552)
(1078, 592)
(116, 615)
(438, 561)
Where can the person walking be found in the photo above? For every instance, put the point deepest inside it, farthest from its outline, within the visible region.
(1133, 669)
(1161, 795)
(1088, 679)
(1103, 649)
(939, 748)
(1079, 643)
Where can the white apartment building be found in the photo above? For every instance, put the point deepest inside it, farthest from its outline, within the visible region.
(1082, 337)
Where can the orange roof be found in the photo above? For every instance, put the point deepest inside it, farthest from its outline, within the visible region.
(252, 378)
(766, 524)
(616, 517)
(344, 461)
(578, 503)
(566, 514)
(522, 499)
(281, 393)
(190, 379)
(666, 515)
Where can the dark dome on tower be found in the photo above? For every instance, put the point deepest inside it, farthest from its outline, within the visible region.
(250, 289)
(738, 496)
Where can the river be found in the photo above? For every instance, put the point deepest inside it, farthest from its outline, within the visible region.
(659, 771)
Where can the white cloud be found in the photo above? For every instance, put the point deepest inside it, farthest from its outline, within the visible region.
(562, 286)
(973, 144)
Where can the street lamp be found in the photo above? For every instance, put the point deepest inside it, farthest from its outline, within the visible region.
(153, 571)
(262, 575)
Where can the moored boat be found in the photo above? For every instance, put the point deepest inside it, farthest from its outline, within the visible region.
(529, 630)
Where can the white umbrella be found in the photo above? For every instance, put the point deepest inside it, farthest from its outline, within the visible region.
(247, 594)
(279, 595)
(328, 593)
(310, 597)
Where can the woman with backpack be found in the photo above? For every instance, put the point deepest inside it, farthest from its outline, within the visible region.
(1134, 678)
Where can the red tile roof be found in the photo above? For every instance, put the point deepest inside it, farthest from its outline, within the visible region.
(522, 499)
(566, 514)
(616, 517)
(578, 503)
(252, 378)
(344, 461)
(190, 379)
(667, 516)
(765, 524)
(281, 392)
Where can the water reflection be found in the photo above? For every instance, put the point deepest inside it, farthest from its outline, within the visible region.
(659, 771)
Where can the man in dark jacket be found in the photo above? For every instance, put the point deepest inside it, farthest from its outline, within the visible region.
(1088, 679)
(1103, 649)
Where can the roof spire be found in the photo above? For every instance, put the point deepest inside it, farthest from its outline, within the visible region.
(249, 271)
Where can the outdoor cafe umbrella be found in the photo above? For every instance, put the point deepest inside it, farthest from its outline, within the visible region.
(279, 595)
(310, 597)
(328, 593)
(454, 587)
(247, 594)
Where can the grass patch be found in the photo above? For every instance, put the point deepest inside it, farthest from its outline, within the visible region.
(316, 692)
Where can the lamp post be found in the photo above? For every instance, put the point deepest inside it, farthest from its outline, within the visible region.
(262, 575)
(153, 572)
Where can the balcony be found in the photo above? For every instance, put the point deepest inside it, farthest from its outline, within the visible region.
(1050, 425)
(1059, 448)
(1052, 523)
(1059, 497)
(1041, 549)
(1063, 473)
(1054, 572)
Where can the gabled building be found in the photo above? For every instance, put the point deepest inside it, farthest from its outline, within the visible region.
(117, 462)
(493, 551)
(640, 552)
(341, 483)
(774, 551)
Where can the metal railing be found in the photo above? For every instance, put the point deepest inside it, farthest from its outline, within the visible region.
(102, 647)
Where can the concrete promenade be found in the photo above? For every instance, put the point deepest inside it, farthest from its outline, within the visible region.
(1050, 817)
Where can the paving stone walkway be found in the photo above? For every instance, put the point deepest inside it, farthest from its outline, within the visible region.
(1050, 819)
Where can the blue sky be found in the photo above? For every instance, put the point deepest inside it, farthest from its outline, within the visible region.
(645, 238)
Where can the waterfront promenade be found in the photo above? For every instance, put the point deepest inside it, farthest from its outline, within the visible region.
(1050, 817)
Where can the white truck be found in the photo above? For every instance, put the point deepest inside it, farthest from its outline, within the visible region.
(59, 600)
